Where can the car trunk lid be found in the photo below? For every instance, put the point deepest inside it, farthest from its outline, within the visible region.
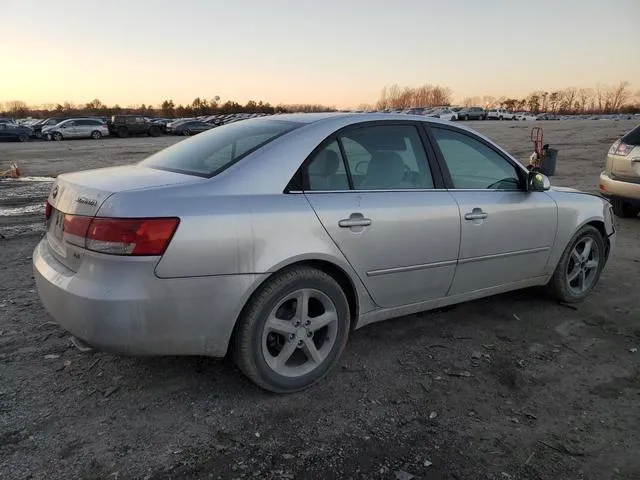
(81, 195)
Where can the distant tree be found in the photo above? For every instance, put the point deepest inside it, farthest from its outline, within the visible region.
(167, 107)
(59, 108)
(16, 108)
(533, 103)
(554, 100)
(94, 105)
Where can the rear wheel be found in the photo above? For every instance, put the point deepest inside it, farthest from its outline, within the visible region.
(580, 266)
(122, 132)
(623, 209)
(96, 135)
(501, 118)
(186, 132)
(466, 117)
(57, 136)
(293, 331)
(23, 137)
(155, 131)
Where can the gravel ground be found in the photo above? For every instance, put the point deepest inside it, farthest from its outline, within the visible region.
(511, 387)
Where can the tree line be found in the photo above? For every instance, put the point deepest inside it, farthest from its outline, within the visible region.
(168, 109)
(571, 100)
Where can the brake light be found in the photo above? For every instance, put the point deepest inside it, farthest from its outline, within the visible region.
(120, 236)
(47, 210)
(140, 236)
(623, 149)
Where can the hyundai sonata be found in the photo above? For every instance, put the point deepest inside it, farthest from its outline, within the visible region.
(273, 238)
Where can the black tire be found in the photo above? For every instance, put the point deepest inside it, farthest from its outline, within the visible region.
(57, 136)
(623, 209)
(466, 117)
(247, 345)
(558, 284)
(23, 137)
(186, 132)
(96, 135)
(122, 132)
(501, 118)
(155, 131)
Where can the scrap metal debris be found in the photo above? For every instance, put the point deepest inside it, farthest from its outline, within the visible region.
(13, 172)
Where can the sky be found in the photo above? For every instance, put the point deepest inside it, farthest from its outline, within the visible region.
(333, 52)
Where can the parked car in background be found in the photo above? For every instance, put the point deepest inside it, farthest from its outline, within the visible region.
(126, 125)
(443, 114)
(500, 114)
(526, 116)
(191, 127)
(388, 215)
(76, 128)
(13, 131)
(620, 181)
(46, 122)
(472, 113)
(7, 120)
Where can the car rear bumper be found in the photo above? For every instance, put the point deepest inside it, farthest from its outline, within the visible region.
(122, 307)
(617, 189)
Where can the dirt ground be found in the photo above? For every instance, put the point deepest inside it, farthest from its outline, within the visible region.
(511, 387)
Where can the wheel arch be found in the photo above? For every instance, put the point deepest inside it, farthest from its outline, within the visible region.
(332, 269)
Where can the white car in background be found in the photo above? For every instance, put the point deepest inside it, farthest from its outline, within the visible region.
(444, 114)
(500, 114)
(526, 116)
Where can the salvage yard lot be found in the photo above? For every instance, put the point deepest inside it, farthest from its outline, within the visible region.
(515, 386)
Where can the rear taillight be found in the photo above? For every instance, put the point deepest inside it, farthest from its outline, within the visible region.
(120, 236)
(47, 210)
(149, 236)
(623, 149)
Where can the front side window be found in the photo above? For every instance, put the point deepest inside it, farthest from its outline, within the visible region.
(214, 150)
(473, 165)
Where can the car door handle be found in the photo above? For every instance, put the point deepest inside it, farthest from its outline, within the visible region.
(354, 222)
(476, 214)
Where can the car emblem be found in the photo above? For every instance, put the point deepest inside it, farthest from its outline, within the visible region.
(54, 192)
(87, 201)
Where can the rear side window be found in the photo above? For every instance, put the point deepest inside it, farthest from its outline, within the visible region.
(211, 152)
(633, 137)
(380, 157)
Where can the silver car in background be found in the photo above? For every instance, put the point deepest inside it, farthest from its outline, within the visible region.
(76, 128)
(272, 238)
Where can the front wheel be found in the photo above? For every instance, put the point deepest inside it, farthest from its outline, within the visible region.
(580, 266)
(466, 117)
(23, 137)
(57, 136)
(293, 331)
(186, 132)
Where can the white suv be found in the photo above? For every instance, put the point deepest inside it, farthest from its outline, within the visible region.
(500, 114)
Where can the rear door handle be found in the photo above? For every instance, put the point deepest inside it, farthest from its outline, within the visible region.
(354, 220)
(476, 214)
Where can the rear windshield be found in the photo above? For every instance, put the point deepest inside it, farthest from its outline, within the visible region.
(633, 137)
(210, 152)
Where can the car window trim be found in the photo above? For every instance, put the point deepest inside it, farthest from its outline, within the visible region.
(299, 181)
(521, 172)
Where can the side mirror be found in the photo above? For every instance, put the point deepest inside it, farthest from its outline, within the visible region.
(538, 182)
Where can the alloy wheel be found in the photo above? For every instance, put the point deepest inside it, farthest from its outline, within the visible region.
(299, 332)
(582, 267)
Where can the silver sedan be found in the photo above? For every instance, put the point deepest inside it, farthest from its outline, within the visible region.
(273, 238)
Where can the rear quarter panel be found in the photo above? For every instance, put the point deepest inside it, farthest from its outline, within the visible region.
(575, 210)
(234, 234)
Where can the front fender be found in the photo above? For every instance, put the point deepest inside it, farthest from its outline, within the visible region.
(575, 210)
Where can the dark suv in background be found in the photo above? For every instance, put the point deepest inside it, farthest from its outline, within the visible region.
(472, 113)
(126, 125)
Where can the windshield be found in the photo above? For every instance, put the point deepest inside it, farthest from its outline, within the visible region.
(209, 153)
